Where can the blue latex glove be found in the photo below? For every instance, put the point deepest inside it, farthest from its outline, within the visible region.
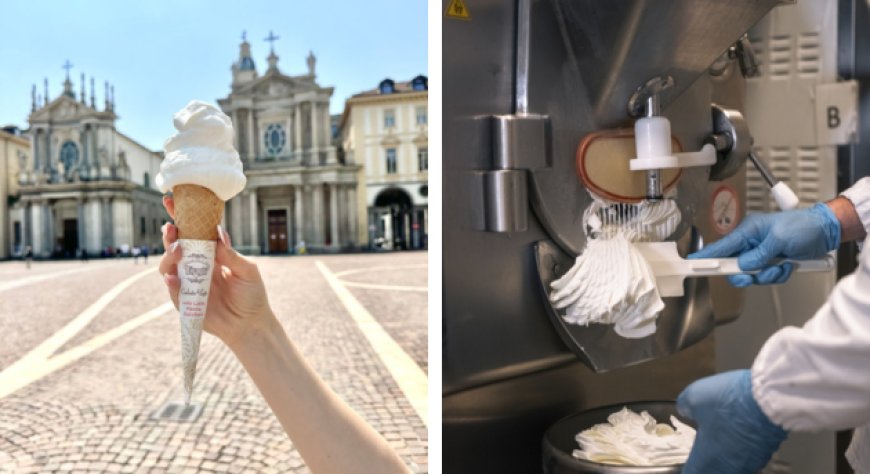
(800, 234)
(734, 435)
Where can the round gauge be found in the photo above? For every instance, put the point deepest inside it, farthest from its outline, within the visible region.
(725, 210)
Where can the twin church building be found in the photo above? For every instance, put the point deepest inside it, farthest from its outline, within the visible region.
(314, 181)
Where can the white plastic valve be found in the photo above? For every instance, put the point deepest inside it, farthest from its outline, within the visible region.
(785, 198)
(652, 136)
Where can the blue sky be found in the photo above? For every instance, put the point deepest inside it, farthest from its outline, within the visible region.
(160, 54)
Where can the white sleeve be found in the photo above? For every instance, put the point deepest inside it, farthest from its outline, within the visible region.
(859, 194)
(818, 377)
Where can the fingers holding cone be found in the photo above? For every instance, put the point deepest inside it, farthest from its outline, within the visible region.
(169, 262)
(172, 255)
(237, 264)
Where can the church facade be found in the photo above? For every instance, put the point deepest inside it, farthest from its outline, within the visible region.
(298, 195)
(85, 186)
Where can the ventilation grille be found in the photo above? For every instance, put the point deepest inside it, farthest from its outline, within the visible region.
(780, 56)
(809, 55)
(808, 174)
(178, 411)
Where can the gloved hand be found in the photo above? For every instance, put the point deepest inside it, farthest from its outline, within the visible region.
(734, 435)
(799, 234)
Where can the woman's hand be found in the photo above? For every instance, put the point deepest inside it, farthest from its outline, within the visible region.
(237, 302)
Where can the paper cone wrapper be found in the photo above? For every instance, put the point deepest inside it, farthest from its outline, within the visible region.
(197, 214)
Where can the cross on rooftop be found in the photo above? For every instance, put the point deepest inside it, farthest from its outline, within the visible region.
(244, 35)
(67, 65)
(271, 39)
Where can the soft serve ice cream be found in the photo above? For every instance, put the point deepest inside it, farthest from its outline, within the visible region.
(202, 170)
(632, 439)
(202, 152)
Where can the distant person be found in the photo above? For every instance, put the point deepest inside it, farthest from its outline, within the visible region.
(84, 255)
(145, 254)
(136, 253)
(28, 256)
(312, 415)
(300, 248)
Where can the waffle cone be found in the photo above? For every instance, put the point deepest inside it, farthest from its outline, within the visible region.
(198, 211)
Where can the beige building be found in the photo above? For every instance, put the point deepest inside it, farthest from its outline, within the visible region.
(14, 154)
(85, 186)
(386, 130)
(298, 192)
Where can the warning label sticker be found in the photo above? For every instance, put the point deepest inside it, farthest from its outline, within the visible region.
(456, 9)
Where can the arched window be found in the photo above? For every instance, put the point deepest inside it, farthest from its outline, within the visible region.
(387, 86)
(69, 155)
(275, 138)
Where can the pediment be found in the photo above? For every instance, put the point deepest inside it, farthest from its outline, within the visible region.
(276, 85)
(62, 108)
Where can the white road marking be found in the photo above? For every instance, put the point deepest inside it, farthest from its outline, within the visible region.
(372, 286)
(378, 269)
(24, 369)
(13, 380)
(407, 374)
(19, 282)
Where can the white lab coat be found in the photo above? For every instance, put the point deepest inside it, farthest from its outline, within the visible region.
(818, 377)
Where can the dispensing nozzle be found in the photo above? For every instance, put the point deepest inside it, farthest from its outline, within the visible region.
(654, 176)
(652, 133)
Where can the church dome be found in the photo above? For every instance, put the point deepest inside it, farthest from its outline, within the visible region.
(247, 64)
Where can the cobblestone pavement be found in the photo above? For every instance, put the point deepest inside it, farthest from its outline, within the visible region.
(94, 414)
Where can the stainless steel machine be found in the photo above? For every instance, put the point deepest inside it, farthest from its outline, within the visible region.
(524, 82)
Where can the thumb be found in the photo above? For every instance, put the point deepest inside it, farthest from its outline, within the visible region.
(759, 257)
(239, 265)
(724, 247)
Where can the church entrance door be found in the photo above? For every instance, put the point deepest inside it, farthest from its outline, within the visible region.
(70, 237)
(277, 230)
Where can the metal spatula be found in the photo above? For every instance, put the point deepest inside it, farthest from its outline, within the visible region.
(670, 269)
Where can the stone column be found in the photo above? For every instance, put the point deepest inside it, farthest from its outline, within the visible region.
(252, 137)
(94, 229)
(80, 224)
(317, 214)
(327, 129)
(122, 221)
(48, 227)
(26, 226)
(315, 131)
(235, 226)
(342, 213)
(237, 139)
(47, 156)
(37, 149)
(37, 227)
(297, 213)
(107, 235)
(254, 219)
(297, 131)
(333, 215)
(352, 218)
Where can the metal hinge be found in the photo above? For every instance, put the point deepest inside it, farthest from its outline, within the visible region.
(519, 144)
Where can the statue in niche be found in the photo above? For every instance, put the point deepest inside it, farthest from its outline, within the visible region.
(311, 60)
(123, 167)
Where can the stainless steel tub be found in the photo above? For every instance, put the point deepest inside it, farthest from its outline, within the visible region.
(559, 440)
